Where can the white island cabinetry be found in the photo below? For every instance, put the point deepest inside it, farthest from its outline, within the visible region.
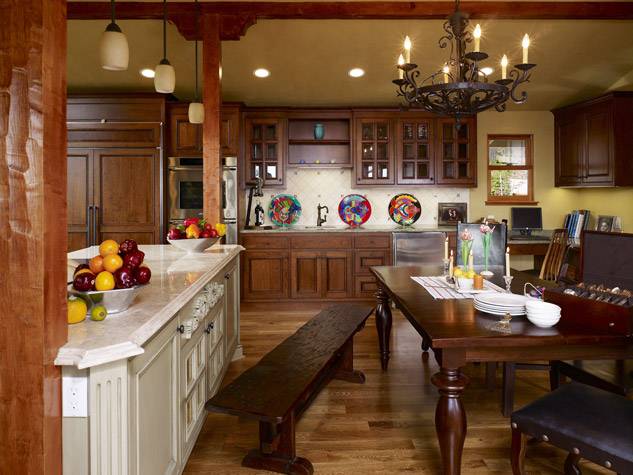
(147, 387)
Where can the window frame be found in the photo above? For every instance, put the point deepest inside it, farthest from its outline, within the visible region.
(529, 167)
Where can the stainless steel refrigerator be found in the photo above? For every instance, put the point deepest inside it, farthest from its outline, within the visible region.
(229, 203)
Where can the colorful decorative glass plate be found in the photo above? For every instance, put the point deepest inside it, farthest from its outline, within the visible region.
(404, 209)
(284, 210)
(354, 210)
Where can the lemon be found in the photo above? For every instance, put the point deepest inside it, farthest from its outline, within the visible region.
(77, 310)
(457, 272)
(98, 313)
(104, 281)
(470, 274)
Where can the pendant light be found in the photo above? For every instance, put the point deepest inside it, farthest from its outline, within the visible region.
(196, 108)
(165, 75)
(113, 48)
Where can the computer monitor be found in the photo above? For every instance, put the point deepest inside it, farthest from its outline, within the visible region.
(526, 219)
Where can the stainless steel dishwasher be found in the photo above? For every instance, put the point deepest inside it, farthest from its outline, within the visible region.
(418, 248)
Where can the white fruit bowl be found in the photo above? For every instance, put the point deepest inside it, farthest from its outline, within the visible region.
(193, 245)
(115, 300)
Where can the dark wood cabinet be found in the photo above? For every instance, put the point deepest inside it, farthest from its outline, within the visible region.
(265, 275)
(230, 117)
(337, 267)
(265, 144)
(456, 152)
(79, 198)
(305, 275)
(375, 151)
(594, 142)
(415, 152)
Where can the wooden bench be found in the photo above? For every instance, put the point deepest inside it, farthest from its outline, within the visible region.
(283, 383)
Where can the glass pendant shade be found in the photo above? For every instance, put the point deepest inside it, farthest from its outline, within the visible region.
(196, 112)
(165, 77)
(113, 49)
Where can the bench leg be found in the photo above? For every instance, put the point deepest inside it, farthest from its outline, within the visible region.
(346, 371)
(571, 464)
(277, 450)
(519, 440)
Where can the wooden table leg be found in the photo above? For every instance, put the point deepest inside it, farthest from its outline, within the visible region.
(383, 325)
(450, 417)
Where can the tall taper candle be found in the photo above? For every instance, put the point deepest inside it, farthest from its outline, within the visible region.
(477, 36)
(407, 49)
(451, 265)
(471, 260)
(504, 67)
(508, 261)
(446, 248)
(400, 63)
(526, 44)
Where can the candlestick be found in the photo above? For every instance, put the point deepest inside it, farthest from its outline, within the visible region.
(446, 248)
(407, 49)
(526, 44)
(477, 36)
(471, 260)
(508, 262)
(400, 63)
(504, 67)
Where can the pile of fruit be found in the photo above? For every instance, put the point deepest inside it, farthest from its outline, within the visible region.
(196, 228)
(465, 274)
(116, 266)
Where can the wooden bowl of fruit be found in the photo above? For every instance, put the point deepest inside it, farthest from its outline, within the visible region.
(112, 278)
(195, 235)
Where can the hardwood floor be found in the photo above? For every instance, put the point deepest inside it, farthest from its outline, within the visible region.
(384, 426)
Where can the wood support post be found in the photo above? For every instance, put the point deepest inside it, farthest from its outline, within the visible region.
(212, 98)
(33, 236)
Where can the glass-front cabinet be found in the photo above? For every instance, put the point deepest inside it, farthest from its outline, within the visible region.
(415, 152)
(265, 150)
(456, 160)
(374, 152)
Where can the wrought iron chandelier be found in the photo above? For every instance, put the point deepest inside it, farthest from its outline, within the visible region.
(461, 87)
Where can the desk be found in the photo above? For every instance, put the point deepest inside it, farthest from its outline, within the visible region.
(458, 334)
(536, 248)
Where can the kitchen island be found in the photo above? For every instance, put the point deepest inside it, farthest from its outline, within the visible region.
(135, 384)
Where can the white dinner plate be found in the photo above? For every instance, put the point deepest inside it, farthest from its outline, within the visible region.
(502, 300)
(501, 313)
(496, 307)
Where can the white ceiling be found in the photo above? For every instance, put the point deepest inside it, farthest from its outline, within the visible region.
(309, 59)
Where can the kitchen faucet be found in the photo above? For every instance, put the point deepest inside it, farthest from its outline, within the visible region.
(321, 220)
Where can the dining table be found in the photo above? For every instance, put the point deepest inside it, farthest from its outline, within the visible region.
(458, 334)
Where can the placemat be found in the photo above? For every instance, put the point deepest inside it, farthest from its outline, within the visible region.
(439, 288)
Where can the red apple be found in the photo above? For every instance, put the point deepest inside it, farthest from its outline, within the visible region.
(143, 275)
(213, 233)
(84, 282)
(79, 267)
(205, 234)
(124, 278)
(174, 233)
(208, 227)
(133, 259)
(128, 245)
(189, 221)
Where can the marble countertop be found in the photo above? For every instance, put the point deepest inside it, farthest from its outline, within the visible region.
(176, 278)
(347, 229)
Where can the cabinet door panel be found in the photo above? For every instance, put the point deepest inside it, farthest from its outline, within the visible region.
(265, 275)
(229, 131)
(79, 197)
(127, 191)
(599, 151)
(375, 151)
(337, 274)
(185, 138)
(305, 274)
(456, 152)
(569, 152)
(232, 302)
(364, 260)
(365, 286)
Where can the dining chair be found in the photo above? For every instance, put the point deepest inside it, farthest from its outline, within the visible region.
(553, 261)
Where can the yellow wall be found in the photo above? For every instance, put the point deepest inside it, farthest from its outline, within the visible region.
(556, 202)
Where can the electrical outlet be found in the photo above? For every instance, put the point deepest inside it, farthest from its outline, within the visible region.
(75, 394)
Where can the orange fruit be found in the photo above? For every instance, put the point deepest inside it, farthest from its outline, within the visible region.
(105, 280)
(96, 264)
(108, 247)
(112, 262)
(82, 271)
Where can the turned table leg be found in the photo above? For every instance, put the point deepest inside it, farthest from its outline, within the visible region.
(383, 325)
(450, 417)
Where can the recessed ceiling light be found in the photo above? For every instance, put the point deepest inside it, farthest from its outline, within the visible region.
(356, 72)
(486, 71)
(261, 73)
(147, 73)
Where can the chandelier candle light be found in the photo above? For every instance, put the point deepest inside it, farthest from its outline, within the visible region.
(461, 87)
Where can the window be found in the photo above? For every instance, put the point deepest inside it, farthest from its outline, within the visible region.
(510, 169)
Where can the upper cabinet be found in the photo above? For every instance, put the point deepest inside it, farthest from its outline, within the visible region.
(265, 144)
(456, 147)
(186, 139)
(415, 154)
(594, 142)
(375, 151)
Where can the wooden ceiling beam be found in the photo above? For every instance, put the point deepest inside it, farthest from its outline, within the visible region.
(237, 17)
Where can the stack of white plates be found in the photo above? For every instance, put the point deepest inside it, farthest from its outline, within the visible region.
(542, 314)
(501, 304)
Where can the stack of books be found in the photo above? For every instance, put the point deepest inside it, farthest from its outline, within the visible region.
(576, 221)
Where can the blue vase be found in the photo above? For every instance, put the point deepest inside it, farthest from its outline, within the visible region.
(319, 131)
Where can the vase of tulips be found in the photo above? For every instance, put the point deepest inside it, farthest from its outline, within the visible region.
(467, 244)
(486, 236)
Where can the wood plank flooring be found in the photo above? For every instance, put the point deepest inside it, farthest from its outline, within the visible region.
(384, 426)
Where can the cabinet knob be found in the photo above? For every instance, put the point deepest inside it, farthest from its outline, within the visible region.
(180, 329)
(227, 276)
(209, 328)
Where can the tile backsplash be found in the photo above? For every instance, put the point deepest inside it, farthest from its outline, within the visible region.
(328, 186)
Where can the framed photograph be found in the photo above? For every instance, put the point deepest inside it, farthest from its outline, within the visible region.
(452, 213)
(605, 223)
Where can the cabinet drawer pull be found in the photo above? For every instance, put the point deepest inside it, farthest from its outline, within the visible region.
(227, 276)
(209, 328)
(180, 329)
